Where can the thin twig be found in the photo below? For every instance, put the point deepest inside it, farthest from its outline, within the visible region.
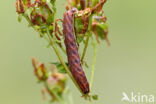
(93, 63)
(85, 48)
(87, 39)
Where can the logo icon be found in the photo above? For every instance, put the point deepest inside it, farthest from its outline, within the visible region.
(125, 97)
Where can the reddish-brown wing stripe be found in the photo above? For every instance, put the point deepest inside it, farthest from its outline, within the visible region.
(72, 52)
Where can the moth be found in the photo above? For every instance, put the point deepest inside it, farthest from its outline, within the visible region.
(72, 51)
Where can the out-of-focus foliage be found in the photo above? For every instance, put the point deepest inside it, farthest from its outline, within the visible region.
(60, 67)
(53, 80)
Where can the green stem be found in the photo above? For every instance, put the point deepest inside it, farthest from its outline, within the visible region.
(62, 61)
(30, 23)
(87, 39)
(63, 50)
(93, 64)
(85, 49)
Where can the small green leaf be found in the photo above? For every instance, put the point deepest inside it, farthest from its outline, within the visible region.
(79, 38)
(60, 67)
(79, 25)
(36, 27)
(86, 65)
(95, 97)
(52, 2)
(43, 28)
(19, 17)
(100, 30)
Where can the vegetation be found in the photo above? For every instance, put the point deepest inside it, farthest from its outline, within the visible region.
(89, 25)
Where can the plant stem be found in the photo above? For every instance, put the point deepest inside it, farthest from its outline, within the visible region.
(85, 49)
(87, 39)
(93, 63)
(62, 61)
(57, 53)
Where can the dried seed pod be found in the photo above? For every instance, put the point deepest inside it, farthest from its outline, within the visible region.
(72, 52)
(19, 6)
(39, 70)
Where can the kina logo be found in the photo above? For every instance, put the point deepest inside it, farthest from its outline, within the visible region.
(137, 98)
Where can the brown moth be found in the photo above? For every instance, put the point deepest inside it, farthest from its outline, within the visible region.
(72, 51)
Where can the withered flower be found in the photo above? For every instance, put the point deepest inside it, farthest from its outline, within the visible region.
(39, 70)
(54, 81)
(22, 5)
(41, 14)
(56, 85)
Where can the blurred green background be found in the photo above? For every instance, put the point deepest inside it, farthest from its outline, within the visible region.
(128, 65)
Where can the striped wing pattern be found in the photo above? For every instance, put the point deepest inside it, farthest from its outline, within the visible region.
(72, 52)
